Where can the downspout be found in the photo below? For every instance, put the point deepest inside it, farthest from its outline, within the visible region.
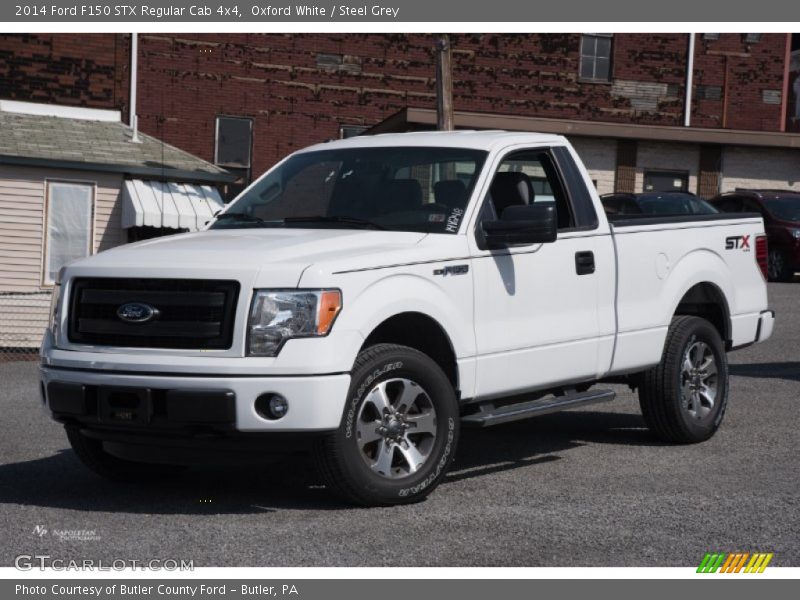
(133, 121)
(787, 59)
(687, 103)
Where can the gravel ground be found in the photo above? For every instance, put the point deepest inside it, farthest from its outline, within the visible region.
(582, 488)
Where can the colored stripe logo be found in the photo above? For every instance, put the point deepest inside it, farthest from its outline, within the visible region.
(737, 562)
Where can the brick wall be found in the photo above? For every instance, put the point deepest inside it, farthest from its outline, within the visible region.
(72, 69)
(300, 88)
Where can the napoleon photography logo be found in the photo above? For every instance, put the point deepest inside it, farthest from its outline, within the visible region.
(67, 535)
(734, 562)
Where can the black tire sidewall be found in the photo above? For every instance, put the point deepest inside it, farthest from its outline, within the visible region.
(409, 364)
(705, 332)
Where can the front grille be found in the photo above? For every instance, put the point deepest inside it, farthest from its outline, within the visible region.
(192, 313)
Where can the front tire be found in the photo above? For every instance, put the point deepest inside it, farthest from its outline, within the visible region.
(92, 455)
(398, 432)
(683, 398)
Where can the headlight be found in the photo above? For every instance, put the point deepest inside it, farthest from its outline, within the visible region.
(795, 233)
(278, 315)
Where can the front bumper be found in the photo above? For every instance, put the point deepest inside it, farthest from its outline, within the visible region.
(152, 402)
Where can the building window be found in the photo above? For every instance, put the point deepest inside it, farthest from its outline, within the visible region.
(752, 38)
(232, 151)
(708, 92)
(348, 131)
(666, 181)
(596, 56)
(710, 36)
(70, 216)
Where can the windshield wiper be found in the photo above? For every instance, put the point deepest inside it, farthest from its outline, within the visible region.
(345, 220)
(241, 216)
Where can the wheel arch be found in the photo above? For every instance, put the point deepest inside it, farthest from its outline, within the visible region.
(421, 332)
(707, 300)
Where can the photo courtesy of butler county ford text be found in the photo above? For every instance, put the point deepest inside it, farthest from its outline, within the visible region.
(331, 288)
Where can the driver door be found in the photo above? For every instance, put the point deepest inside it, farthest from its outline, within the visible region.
(536, 306)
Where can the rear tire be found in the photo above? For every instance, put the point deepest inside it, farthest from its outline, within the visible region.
(92, 455)
(398, 433)
(683, 398)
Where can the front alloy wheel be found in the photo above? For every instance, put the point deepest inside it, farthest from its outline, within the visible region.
(396, 428)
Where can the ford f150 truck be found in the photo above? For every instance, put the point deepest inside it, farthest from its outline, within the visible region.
(366, 298)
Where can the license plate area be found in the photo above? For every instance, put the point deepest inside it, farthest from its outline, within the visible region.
(124, 406)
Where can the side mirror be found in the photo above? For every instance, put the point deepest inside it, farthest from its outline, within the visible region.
(525, 224)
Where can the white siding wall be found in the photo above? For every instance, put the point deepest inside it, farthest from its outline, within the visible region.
(24, 300)
(600, 157)
(658, 156)
(760, 168)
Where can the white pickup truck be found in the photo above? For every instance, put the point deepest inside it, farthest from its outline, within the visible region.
(366, 298)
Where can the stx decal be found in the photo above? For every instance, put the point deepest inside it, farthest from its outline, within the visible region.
(736, 242)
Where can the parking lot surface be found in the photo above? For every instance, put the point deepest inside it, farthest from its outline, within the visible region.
(581, 488)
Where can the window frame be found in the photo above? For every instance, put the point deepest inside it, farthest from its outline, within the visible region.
(594, 79)
(44, 267)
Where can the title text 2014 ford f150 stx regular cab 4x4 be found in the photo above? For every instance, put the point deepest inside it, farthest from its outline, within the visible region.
(368, 297)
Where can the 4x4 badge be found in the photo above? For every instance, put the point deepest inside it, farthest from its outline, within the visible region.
(452, 270)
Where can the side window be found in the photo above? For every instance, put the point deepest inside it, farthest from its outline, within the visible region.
(524, 178)
(729, 204)
(752, 206)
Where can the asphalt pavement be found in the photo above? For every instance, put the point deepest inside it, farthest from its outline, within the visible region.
(581, 488)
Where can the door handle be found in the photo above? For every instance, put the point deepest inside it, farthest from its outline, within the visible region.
(584, 262)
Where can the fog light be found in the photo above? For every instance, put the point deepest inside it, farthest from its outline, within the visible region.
(271, 406)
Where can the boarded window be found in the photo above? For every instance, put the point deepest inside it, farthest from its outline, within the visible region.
(70, 214)
(596, 56)
(232, 150)
(234, 141)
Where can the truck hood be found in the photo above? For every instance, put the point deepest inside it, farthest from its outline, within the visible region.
(280, 254)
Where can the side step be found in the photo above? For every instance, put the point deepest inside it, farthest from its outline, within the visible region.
(489, 415)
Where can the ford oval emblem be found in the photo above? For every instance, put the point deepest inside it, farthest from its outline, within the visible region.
(137, 312)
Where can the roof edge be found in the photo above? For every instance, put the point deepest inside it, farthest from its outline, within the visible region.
(666, 133)
(151, 172)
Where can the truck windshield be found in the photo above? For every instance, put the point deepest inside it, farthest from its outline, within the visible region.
(418, 189)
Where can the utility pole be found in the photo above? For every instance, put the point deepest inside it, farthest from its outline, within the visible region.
(444, 84)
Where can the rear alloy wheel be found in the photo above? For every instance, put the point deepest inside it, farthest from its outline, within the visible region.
(778, 266)
(398, 433)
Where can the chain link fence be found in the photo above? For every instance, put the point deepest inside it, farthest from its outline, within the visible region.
(23, 319)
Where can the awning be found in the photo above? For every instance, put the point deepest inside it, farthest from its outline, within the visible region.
(168, 204)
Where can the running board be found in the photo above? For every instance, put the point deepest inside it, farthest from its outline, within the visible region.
(488, 414)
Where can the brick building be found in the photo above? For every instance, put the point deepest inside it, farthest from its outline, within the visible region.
(245, 100)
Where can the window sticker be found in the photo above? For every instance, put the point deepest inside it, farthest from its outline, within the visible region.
(454, 220)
